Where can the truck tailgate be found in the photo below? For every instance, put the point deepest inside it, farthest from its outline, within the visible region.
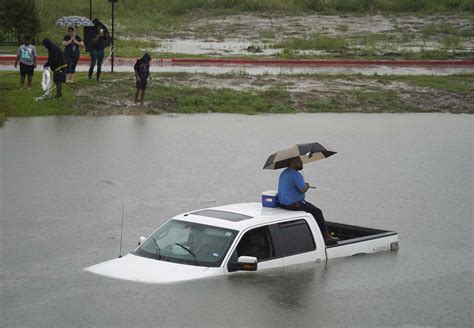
(356, 240)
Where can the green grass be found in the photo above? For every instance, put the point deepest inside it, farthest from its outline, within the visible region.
(183, 7)
(16, 102)
(330, 104)
(134, 48)
(185, 99)
(3, 118)
(460, 83)
(313, 42)
(361, 101)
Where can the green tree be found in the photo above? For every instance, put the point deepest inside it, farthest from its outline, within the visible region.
(19, 17)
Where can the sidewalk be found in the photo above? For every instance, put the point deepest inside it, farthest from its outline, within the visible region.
(276, 66)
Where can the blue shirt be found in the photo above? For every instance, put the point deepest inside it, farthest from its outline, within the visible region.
(289, 185)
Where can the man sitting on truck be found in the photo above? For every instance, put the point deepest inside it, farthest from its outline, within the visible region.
(291, 190)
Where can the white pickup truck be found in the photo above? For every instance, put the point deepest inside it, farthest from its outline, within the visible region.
(235, 238)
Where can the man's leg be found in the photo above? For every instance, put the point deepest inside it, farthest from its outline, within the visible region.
(59, 90)
(22, 75)
(31, 71)
(22, 81)
(136, 95)
(75, 60)
(68, 69)
(317, 213)
(93, 61)
(100, 59)
(319, 217)
(58, 77)
(143, 96)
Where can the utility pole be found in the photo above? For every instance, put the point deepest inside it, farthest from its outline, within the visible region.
(90, 9)
(113, 38)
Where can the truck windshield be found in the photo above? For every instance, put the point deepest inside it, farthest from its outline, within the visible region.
(188, 243)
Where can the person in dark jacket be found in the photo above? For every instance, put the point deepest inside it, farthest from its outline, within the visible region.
(142, 73)
(99, 41)
(72, 42)
(57, 64)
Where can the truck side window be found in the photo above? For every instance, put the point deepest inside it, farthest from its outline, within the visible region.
(295, 238)
(256, 243)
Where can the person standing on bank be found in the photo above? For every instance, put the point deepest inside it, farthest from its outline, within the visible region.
(27, 58)
(97, 51)
(291, 196)
(142, 73)
(57, 64)
(72, 42)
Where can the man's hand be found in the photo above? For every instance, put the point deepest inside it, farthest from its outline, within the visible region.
(305, 188)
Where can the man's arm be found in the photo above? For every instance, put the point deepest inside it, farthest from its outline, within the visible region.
(305, 188)
(79, 42)
(300, 183)
(66, 43)
(47, 64)
(34, 57)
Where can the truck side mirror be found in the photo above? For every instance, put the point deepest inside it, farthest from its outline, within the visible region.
(244, 263)
(141, 240)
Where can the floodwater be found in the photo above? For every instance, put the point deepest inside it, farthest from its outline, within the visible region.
(220, 48)
(64, 179)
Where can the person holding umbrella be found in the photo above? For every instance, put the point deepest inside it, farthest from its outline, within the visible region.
(72, 42)
(291, 184)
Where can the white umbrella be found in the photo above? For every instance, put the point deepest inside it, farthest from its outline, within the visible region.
(74, 21)
(308, 152)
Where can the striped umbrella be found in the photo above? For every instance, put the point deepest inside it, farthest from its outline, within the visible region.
(74, 21)
(308, 152)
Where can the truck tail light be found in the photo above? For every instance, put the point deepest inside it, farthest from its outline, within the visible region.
(394, 246)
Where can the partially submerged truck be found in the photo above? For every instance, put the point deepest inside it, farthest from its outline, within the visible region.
(235, 238)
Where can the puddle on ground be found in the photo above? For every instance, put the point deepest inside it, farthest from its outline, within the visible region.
(214, 48)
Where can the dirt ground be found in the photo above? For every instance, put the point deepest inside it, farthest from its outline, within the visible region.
(381, 34)
(351, 94)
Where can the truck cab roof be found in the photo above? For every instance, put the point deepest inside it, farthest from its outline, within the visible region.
(238, 216)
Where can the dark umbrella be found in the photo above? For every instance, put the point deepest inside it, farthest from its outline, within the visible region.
(74, 21)
(308, 152)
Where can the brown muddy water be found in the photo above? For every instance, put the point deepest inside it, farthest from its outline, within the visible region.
(437, 70)
(63, 181)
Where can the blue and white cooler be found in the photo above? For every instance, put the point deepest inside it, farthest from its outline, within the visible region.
(270, 198)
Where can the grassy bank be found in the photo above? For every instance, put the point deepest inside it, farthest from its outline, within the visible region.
(245, 94)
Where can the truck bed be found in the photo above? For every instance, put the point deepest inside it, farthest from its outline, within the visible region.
(355, 240)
